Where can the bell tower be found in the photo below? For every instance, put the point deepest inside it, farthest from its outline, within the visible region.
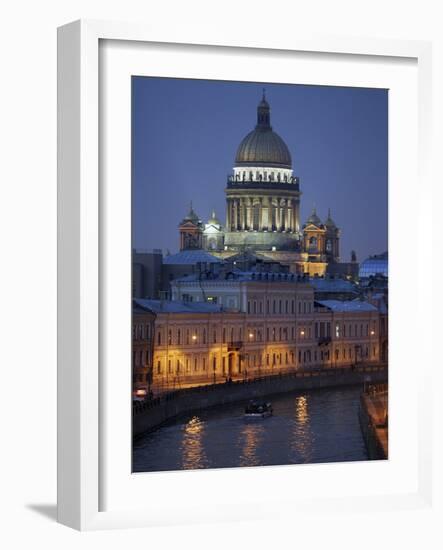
(191, 231)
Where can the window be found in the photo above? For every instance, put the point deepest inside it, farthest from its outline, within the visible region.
(214, 337)
(279, 307)
(292, 306)
(178, 366)
(187, 337)
(249, 307)
(337, 330)
(159, 338)
(178, 336)
(274, 307)
(214, 364)
(204, 336)
(169, 337)
(159, 367)
(287, 306)
(195, 364)
(169, 366)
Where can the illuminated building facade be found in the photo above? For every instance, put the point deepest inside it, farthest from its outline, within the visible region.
(273, 332)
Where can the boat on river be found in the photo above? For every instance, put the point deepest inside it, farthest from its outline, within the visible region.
(258, 409)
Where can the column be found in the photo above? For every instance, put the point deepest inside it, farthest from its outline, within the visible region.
(277, 215)
(248, 214)
(242, 214)
(228, 214)
(234, 212)
(265, 213)
(297, 216)
(289, 226)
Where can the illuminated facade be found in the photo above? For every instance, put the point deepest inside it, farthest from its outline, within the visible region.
(273, 332)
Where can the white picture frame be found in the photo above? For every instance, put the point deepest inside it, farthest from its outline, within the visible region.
(83, 297)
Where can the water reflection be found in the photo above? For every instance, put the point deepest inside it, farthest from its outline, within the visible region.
(192, 445)
(302, 439)
(250, 438)
(313, 426)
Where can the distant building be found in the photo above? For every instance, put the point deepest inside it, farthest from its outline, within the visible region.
(263, 211)
(143, 329)
(374, 266)
(332, 288)
(146, 273)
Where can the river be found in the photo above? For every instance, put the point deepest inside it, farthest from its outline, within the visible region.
(307, 427)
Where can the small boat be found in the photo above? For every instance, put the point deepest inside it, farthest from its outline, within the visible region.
(258, 409)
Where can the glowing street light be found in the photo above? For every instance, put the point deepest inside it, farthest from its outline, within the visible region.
(372, 332)
(194, 337)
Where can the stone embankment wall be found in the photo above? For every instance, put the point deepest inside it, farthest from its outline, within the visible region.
(373, 416)
(152, 414)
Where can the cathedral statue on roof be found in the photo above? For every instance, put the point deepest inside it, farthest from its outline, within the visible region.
(263, 209)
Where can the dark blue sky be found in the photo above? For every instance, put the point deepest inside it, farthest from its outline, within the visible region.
(185, 136)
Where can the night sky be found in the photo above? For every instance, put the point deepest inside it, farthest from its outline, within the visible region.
(186, 133)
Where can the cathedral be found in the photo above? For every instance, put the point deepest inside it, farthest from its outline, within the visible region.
(263, 210)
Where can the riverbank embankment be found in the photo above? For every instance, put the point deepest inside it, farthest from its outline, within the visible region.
(151, 414)
(373, 416)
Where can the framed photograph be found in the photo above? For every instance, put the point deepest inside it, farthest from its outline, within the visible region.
(232, 343)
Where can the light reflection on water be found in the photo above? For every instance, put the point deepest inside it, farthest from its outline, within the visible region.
(192, 449)
(302, 438)
(250, 439)
(313, 426)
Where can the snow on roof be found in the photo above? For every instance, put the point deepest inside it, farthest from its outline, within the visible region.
(172, 306)
(351, 306)
(189, 257)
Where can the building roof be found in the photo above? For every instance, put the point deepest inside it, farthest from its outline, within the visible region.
(330, 223)
(172, 306)
(191, 216)
(347, 306)
(332, 285)
(313, 218)
(263, 146)
(241, 276)
(374, 265)
(190, 257)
